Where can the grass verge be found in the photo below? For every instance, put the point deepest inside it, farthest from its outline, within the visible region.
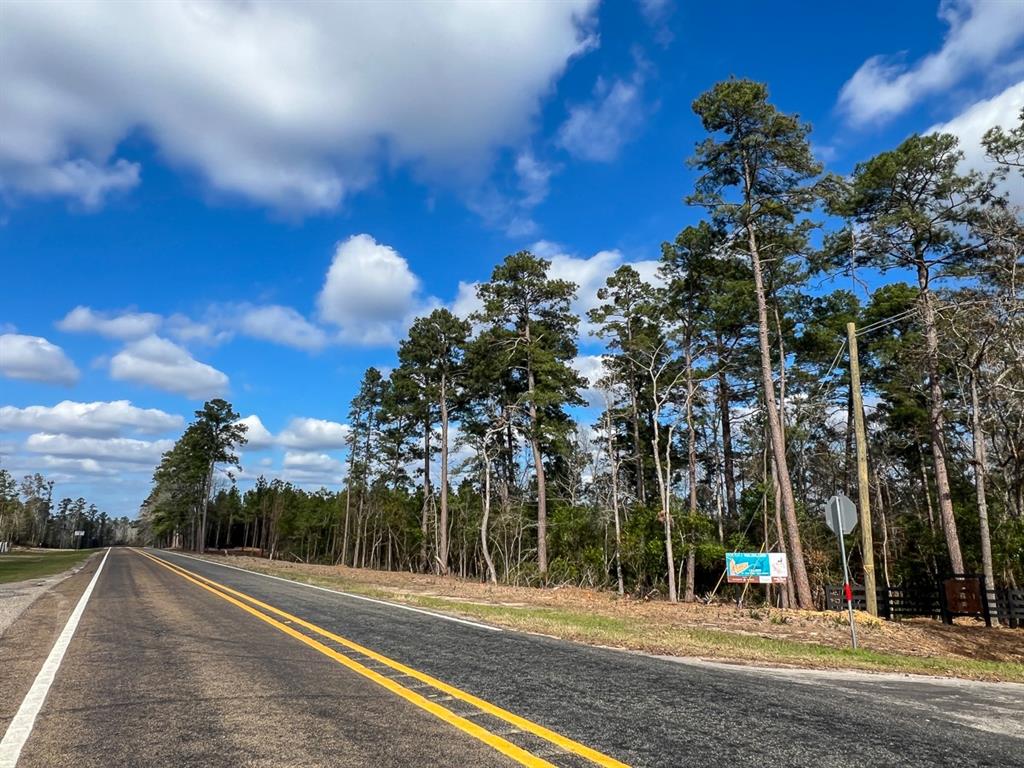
(38, 563)
(672, 640)
(717, 644)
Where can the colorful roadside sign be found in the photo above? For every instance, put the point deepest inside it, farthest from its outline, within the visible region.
(756, 567)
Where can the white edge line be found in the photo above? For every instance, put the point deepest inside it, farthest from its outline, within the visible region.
(466, 622)
(20, 727)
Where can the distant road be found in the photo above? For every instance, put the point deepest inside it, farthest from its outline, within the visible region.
(180, 662)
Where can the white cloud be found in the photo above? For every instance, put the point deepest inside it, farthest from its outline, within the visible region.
(99, 419)
(969, 126)
(126, 325)
(369, 291)
(590, 275)
(534, 179)
(598, 130)
(77, 466)
(311, 468)
(980, 34)
(33, 358)
(160, 363)
(591, 368)
(311, 461)
(313, 434)
(466, 301)
(78, 179)
(257, 436)
(187, 330)
(117, 448)
(281, 325)
(289, 104)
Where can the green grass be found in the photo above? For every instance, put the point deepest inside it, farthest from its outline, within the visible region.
(21, 566)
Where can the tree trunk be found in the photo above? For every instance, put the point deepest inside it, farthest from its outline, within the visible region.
(727, 457)
(425, 514)
(641, 491)
(614, 470)
(937, 420)
(491, 575)
(442, 554)
(207, 487)
(691, 457)
(666, 512)
(978, 435)
(538, 461)
(802, 585)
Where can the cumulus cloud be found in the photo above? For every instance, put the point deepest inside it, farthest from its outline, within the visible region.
(281, 325)
(591, 368)
(33, 358)
(312, 461)
(597, 130)
(98, 419)
(187, 330)
(80, 179)
(311, 468)
(257, 436)
(313, 434)
(466, 301)
(980, 35)
(124, 325)
(292, 105)
(73, 467)
(970, 125)
(369, 291)
(117, 448)
(157, 362)
(590, 275)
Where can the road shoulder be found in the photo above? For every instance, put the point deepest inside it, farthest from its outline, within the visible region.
(17, 596)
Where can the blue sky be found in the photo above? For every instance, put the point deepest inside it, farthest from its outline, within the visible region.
(253, 200)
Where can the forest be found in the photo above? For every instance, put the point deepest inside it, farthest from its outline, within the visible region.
(29, 517)
(723, 416)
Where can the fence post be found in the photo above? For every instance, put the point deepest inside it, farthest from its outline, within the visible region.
(944, 604)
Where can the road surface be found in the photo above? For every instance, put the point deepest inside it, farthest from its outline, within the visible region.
(180, 662)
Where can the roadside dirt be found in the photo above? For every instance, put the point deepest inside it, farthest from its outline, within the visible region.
(917, 637)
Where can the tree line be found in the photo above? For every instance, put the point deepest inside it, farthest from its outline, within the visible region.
(29, 517)
(725, 399)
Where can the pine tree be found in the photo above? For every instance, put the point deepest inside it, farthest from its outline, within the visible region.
(755, 167)
(537, 330)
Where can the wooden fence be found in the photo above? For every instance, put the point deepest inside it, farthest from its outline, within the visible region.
(930, 600)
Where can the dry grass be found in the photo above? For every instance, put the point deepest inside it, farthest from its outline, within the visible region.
(722, 632)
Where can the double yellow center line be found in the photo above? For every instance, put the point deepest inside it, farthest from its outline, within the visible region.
(266, 613)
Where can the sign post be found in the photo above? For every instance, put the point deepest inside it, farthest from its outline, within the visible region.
(841, 517)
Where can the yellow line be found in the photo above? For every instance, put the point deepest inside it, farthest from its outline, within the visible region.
(520, 722)
(517, 753)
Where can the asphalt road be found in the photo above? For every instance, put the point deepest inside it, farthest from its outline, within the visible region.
(166, 669)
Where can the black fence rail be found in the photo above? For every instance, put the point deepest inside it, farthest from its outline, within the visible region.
(957, 596)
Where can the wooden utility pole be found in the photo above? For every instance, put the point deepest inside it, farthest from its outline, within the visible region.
(863, 488)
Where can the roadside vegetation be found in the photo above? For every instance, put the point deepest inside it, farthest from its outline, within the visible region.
(30, 517)
(749, 635)
(24, 564)
(725, 411)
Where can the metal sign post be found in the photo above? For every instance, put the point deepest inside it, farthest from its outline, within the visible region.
(841, 516)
